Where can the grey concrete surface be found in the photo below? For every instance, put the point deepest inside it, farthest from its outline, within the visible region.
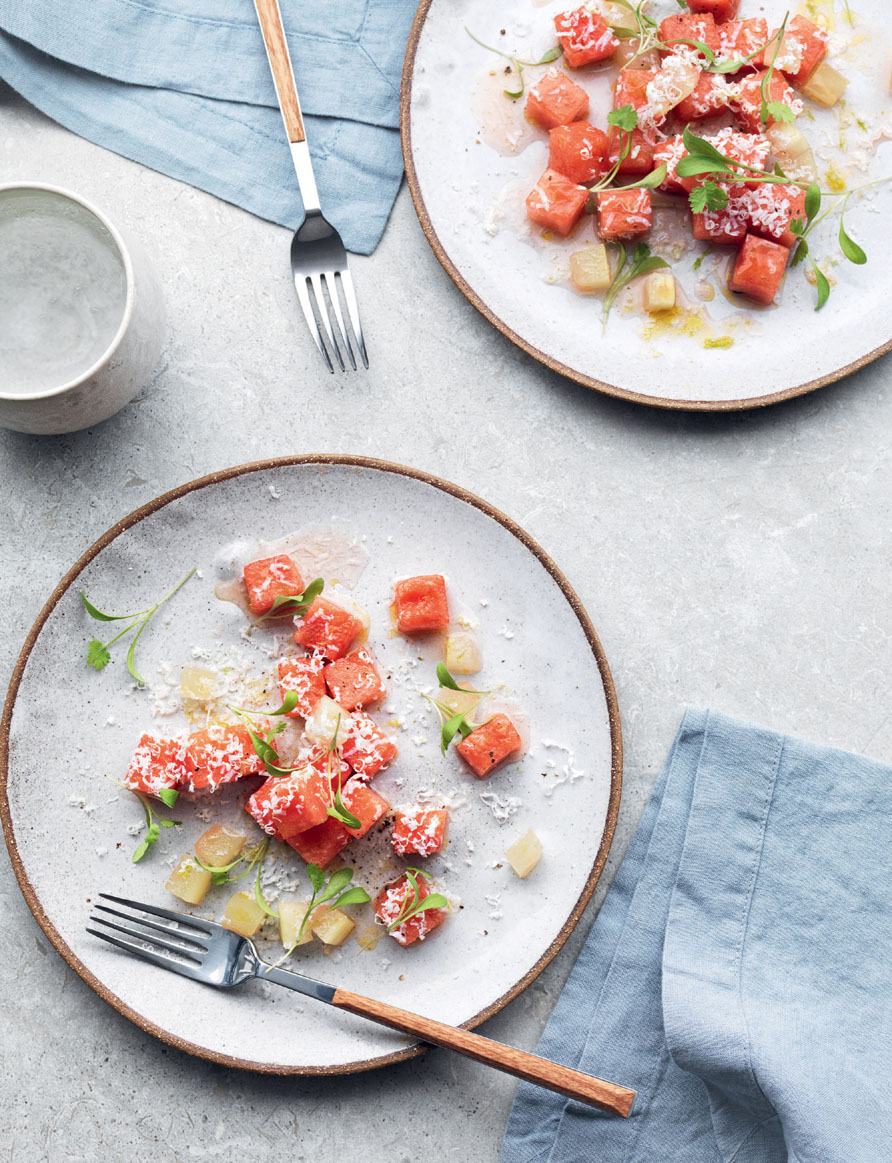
(738, 561)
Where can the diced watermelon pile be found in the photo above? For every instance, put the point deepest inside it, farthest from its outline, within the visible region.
(587, 174)
(366, 748)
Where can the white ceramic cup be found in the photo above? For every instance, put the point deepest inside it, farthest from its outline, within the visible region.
(81, 312)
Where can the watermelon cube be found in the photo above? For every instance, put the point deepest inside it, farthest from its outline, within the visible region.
(391, 900)
(633, 150)
(713, 95)
(327, 628)
(770, 210)
(365, 804)
(556, 100)
(578, 151)
(719, 10)
(288, 804)
(354, 681)
(271, 578)
(585, 37)
(366, 748)
(759, 270)
(304, 677)
(724, 227)
(739, 39)
(631, 88)
(420, 602)
(669, 153)
(419, 831)
(803, 48)
(555, 203)
(156, 765)
(624, 213)
(687, 26)
(219, 754)
(489, 745)
(320, 845)
(747, 103)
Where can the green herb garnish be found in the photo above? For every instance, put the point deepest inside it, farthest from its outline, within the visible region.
(776, 110)
(453, 723)
(98, 655)
(291, 605)
(336, 894)
(709, 197)
(516, 64)
(641, 264)
(336, 807)
(413, 905)
(154, 822)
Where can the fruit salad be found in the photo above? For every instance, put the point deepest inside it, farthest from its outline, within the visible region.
(301, 750)
(711, 110)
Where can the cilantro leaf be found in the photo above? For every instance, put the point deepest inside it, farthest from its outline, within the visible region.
(710, 197)
(626, 117)
(97, 655)
(778, 111)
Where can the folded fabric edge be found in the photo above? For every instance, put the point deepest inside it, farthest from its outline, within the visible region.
(267, 190)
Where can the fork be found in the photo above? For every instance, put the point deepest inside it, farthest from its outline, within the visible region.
(204, 951)
(318, 258)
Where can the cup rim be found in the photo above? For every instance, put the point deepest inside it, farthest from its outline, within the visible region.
(123, 251)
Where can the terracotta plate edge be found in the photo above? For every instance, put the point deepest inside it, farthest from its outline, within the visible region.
(542, 357)
(153, 506)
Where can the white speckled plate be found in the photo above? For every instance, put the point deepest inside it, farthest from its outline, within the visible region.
(68, 730)
(469, 197)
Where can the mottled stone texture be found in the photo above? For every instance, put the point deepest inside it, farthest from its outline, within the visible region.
(738, 561)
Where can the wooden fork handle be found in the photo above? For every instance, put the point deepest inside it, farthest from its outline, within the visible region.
(574, 1084)
(280, 64)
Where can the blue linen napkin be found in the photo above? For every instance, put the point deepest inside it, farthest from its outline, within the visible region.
(184, 87)
(739, 975)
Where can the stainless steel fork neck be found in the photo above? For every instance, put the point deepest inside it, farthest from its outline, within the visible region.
(294, 981)
(306, 179)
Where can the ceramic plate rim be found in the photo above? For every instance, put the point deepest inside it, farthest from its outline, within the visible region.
(155, 505)
(544, 358)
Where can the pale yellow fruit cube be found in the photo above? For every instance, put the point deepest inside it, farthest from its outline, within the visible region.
(327, 720)
(198, 683)
(462, 654)
(291, 917)
(456, 702)
(334, 927)
(525, 853)
(590, 269)
(219, 846)
(792, 150)
(659, 292)
(189, 881)
(243, 915)
(825, 86)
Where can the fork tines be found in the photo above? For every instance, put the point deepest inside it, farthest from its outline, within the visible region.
(188, 940)
(320, 294)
